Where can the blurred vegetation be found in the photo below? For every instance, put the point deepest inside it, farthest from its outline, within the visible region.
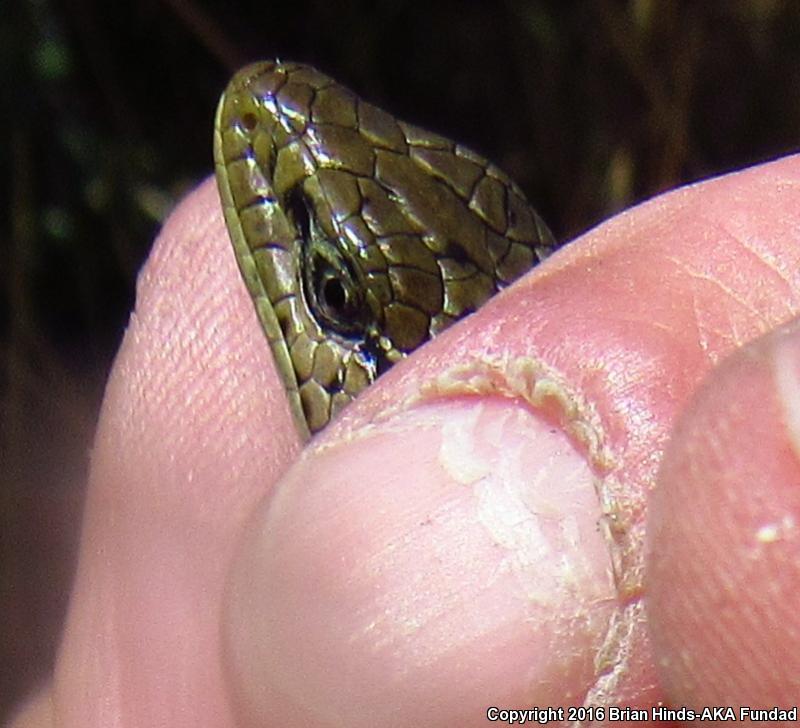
(107, 112)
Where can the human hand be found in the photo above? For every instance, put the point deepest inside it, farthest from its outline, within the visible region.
(471, 531)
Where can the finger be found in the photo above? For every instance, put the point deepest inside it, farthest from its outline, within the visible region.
(471, 529)
(724, 545)
(192, 404)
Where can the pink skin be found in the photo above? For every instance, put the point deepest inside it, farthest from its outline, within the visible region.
(442, 547)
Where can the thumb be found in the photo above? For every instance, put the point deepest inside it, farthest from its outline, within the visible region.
(724, 539)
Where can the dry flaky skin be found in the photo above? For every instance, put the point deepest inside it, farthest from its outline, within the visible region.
(359, 237)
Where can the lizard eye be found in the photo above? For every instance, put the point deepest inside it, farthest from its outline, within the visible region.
(333, 292)
(338, 297)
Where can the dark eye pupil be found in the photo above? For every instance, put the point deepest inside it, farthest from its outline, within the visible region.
(334, 294)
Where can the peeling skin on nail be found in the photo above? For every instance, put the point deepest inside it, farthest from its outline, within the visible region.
(528, 380)
(525, 380)
(533, 384)
(611, 661)
(457, 453)
(515, 510)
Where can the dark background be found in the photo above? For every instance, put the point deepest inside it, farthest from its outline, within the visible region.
(106, 121)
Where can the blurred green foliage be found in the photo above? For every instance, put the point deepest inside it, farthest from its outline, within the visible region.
(107, 113)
